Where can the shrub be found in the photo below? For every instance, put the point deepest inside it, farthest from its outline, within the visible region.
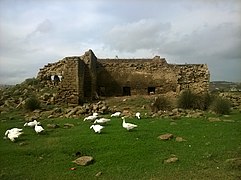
(187, 100)
(32, 81)
(160, 103)
(221, 106)
(202, 101)
(32, 103)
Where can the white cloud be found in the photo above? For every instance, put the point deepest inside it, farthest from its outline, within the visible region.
(144, 34)
(34, 33)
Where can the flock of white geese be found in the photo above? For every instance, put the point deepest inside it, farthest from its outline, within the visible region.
(97, 125)
(14, 133)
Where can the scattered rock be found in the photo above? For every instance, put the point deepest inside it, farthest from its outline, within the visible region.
(171, 159)
(23, 144)
(166, 136)
(53, 126)
(228, 120)
(98, 174)
(84, 160)
(180, 139)
(173, 123)
(213, 119)
(68, 125)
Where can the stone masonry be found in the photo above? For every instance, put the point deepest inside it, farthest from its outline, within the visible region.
(86, 77)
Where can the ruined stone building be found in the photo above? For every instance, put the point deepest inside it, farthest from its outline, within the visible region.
(86, 77)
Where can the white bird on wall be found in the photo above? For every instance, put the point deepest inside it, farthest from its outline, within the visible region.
(101, 121)
(116, 114)
(138, 115)
(32, 123)
(97, 128)
(128, 126)
(38, 129)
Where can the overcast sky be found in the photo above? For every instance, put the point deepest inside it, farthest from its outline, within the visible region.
(36, 32)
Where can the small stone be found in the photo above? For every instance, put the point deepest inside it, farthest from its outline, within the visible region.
(172, 159)
(68, 125)
(73, 168)
(228, 120)
(53, 126)
(180, 139)
(23, 144)
(166, 136)
(173, 123)
(213, 119)
(84, 160)
(98, 174)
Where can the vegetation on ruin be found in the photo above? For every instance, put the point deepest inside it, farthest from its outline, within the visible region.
(221, 106)
(120, 154)
(32, 103)
(190, 100)
(161, 103)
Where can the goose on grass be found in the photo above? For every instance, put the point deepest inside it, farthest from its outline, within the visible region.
(128, 126)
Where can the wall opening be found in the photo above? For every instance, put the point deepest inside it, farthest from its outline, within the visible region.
(126, 91)
(102, 91)
(151, 90)
(87, 82)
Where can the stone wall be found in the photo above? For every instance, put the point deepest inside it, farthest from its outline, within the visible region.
(86, 77)
(136, 74)
(195, 77)
(142, 76)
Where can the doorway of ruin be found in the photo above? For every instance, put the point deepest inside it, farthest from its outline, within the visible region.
(102, 91)
(126, 91)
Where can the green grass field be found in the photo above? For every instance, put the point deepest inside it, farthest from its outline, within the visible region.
(120, 154)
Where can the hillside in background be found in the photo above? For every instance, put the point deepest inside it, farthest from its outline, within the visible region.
(225, 86)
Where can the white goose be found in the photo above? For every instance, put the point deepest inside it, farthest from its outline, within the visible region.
(32, 123)
(91, 118)
(38, 129)
(128, 126)
(138, 115)
(13, 133)
(101, 121)
(95, 114)
(116, 114)
(97, 128)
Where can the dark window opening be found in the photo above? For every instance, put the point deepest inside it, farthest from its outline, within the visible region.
(151, 90)
(126, 91)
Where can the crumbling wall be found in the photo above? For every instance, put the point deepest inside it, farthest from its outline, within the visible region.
(195, 77)
(68, 89)
(78, 78)
(137, 74)
(85, 77)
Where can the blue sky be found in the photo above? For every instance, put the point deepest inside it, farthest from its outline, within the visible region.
(34, 33)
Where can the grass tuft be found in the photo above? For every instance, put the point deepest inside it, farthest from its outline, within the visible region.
(221, 106)
(32, 103)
